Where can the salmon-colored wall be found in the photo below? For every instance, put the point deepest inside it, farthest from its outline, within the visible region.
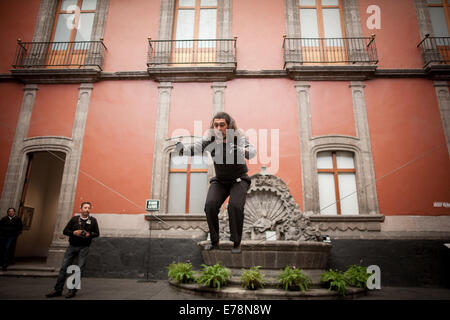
(190, 102)
(117, 157)
(10, 103)
(54, 110)
(18, 18)
(259, 26)
(128, 26)
(270, 104)
(398, 37)
(405, 125)
(331, 107)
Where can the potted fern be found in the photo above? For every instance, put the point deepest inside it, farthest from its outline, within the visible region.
(181, 272)
(214, 276)
(293, 279)
(335, 280)
(252, 279)
(356, 276)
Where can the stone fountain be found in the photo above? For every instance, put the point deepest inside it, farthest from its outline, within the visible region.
(276, 234)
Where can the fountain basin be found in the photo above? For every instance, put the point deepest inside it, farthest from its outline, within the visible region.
(269, 254)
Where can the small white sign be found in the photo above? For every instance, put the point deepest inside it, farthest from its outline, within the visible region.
(152, 205)
(271, 236)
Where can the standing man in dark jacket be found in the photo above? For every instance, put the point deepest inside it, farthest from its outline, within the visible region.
(229, 148)
(10, 229)
(81, 230)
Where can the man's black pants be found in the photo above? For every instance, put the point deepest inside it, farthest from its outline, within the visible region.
(217, 193)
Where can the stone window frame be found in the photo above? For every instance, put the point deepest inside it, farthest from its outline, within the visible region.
(47, 15)
(423, 18)
(338, 143)
(350, 12)
(167, 19)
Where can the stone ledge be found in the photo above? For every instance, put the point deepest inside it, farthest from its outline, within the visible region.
(192, 74)
(331, 72)
(348, 223)
(49, 76)
(236, 292)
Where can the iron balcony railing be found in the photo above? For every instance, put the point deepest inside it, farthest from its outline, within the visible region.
(59, 54)
(192, 52)
(435, 50)
(330, 50)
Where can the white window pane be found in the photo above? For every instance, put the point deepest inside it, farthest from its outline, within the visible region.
(438, 22)
(332, 26)
(330, 2)
(187, 3)
(63, 30)
(197, 193)
(348, 195)
(207, 27)
(308, 24)
(89, 5)
(185, 28)
(199, 162)
(210, 3)
(178, 162)
(177, 193)
(344, 160)
(327, 193)
(68, 5)
(307, 2)
(85, 27)
(324, 160)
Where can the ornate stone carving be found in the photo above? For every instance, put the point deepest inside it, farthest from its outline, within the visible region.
(271, 207)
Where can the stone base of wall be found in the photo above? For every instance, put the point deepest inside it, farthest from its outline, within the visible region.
(403, 262)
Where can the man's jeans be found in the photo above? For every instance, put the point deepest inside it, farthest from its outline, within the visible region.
(71, 254)
(6, 250)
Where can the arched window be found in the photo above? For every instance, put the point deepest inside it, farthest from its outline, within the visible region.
(337, 182)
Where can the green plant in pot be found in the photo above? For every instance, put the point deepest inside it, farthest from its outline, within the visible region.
(335, 280)
(357, 276)
(181, 272)
(214, 276)
(252, 278)
(293, 279)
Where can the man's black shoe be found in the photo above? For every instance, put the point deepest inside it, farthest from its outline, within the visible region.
(236, 248)
(71, 294)
(53, 294)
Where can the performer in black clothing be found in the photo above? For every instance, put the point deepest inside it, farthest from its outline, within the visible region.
(229, 148)
(81, 230)
(10, 229)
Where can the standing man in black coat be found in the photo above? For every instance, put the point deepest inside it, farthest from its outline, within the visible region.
(10, 228)
(229, 148)
(81, 230)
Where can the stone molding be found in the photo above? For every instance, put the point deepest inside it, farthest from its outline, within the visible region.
(359, 146)
(185, 222)
(443, 97)
(14, 176)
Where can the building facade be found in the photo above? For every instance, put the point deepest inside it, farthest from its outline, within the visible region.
(347, 101)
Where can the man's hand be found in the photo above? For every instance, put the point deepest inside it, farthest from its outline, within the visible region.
(78, 234)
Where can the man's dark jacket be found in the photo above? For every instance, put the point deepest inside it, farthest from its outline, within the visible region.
(76, 223)
(10, 227)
